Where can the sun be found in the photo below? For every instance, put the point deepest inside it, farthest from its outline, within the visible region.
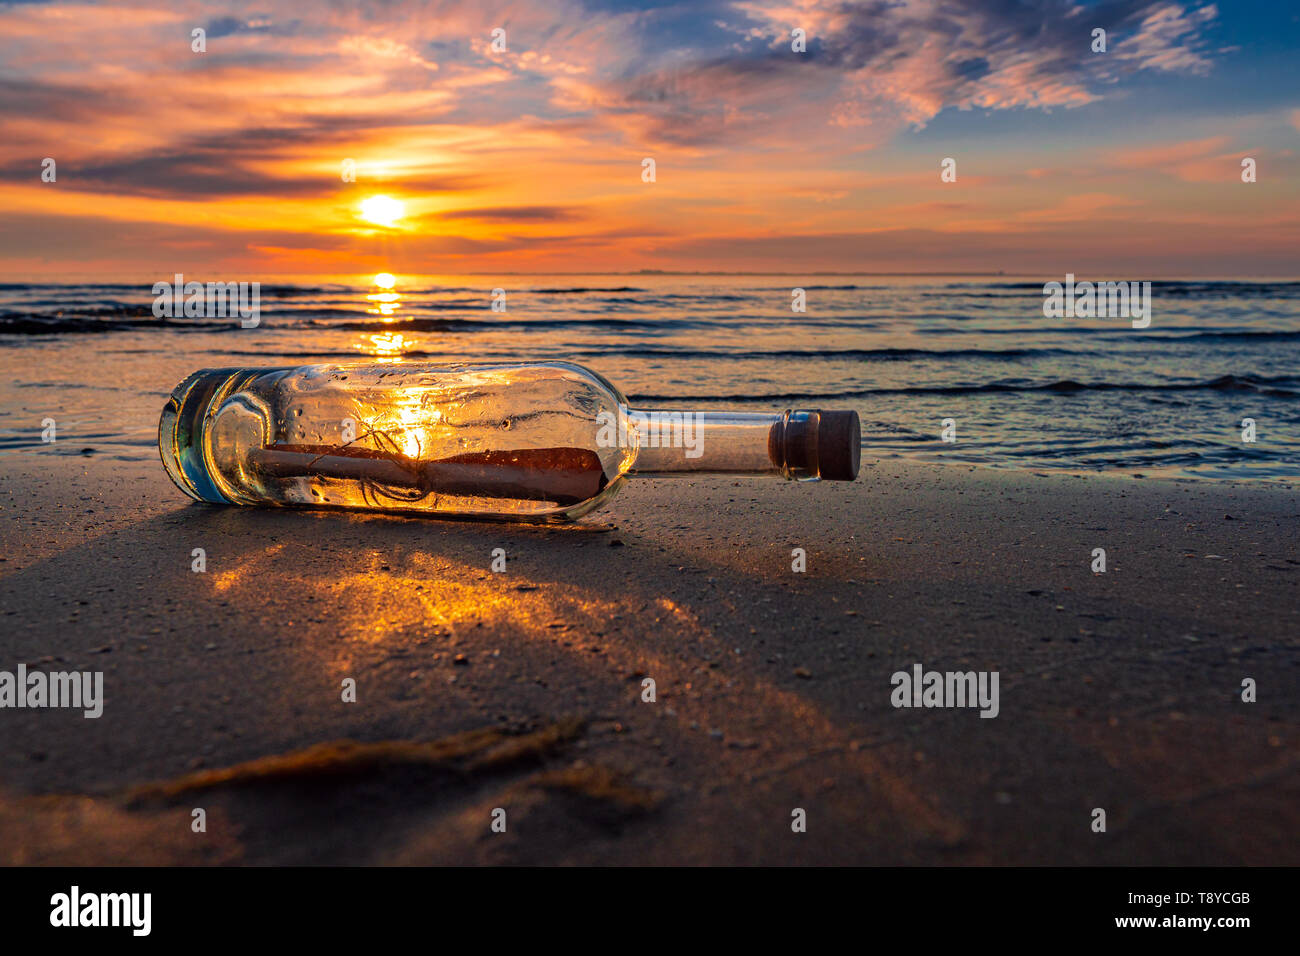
(385, 280)
(382, 210)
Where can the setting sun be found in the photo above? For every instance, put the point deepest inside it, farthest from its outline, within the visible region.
(385, 280)
(382, 210)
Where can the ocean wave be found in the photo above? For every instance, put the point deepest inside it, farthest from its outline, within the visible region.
(581, 289)
(1261, 335)
(26, 324)
(865, 355)
(1266, 385)
(1214, 288)
(505, 321)
(691, 354)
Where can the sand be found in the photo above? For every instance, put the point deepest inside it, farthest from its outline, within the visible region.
(522, 691)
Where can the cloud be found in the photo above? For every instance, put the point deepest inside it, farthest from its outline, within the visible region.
(1141, 249)
(229, 26)
(514, 214)
(1196, 161)
(873, 67)
(1168, 39)
(708, 76)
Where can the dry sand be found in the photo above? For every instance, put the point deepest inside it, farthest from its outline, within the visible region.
(522, 690)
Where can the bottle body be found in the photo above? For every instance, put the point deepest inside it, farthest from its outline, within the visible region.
(547, 441)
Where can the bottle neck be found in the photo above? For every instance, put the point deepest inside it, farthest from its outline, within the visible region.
(779, 444)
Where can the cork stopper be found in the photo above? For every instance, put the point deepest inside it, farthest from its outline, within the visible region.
(839, 445)
(817, 444)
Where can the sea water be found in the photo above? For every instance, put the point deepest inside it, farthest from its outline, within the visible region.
(1018, 388)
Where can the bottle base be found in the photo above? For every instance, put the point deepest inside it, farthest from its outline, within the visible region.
(180, 432)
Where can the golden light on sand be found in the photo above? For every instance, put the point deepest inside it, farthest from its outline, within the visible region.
(382, 211)
(385, 280)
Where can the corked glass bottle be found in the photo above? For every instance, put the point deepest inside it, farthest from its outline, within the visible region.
(528, 441)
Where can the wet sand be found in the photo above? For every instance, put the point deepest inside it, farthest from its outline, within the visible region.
(522, 690)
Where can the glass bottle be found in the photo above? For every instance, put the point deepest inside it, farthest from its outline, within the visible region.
(528, 441)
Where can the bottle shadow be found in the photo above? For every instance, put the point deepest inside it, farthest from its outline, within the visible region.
(245, 650)
(244, 620)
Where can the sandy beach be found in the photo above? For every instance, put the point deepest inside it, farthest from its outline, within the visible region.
(523, 690)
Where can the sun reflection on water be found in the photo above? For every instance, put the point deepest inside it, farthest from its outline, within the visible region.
(384, 302)
(387, 345)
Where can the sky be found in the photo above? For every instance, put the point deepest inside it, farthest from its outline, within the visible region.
(528, 153)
